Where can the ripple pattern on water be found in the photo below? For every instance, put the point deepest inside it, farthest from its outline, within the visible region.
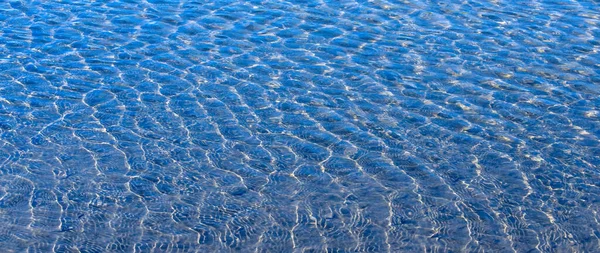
(300, 126)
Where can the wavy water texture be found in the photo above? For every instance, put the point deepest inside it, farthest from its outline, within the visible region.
(300, 126)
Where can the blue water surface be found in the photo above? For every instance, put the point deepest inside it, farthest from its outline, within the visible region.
(300, 126)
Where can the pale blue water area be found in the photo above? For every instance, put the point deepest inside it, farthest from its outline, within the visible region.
(300, 126)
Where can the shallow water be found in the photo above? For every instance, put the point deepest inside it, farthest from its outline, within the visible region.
(300, 126)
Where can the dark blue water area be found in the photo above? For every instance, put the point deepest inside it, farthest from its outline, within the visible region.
(300, 126)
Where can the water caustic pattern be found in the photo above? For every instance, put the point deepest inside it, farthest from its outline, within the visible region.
(300, 126)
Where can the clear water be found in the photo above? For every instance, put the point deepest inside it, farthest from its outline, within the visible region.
(300, 126)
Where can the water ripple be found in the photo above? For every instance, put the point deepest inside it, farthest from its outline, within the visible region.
(274, 126)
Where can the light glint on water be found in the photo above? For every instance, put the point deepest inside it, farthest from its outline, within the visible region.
(299, 126)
